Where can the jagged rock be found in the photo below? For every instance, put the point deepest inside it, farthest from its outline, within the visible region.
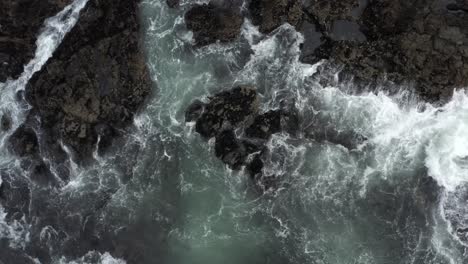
(20, 22)
(98, 75)
(270, 14)
(227, 109)
(211, 23)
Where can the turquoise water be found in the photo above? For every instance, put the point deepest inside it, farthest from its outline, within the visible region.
(389, 188)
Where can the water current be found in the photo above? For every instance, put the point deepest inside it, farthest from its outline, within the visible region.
(392, 187)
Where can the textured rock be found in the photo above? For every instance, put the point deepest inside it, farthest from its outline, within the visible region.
(5, 123)
(419, 42)
(97, 76)
(20, 21)
(326, 12)
(270, 14)
(211, 23)
(241, 133)
(227, 109)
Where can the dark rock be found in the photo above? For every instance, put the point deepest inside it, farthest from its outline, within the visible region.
(270, 14)
(210, 23)
(255, 166)
(229, 149)
(173, 3)
(194, 111)
(227, 109)
(98, 75)
(272, 122)
(20, 22)
(409, 41)
(23, 142)
(5, 123)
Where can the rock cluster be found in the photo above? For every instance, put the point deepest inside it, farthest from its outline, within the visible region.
(240, 130)
(423, 43)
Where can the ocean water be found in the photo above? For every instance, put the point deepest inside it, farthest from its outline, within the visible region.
(389, 186)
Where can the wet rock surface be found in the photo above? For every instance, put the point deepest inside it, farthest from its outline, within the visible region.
(240, 130)
(97, 76)
(421, 43)
(211, 23)
(20, 22)
(270, 14)
(225, 110)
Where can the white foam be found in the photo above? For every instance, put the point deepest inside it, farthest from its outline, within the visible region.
(93, 257)
(15, 231)
(52, 34)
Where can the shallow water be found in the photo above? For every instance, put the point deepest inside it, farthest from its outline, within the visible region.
(389, 187)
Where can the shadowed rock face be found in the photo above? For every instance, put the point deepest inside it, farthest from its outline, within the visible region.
(20, 22)
(97, 76)
(211, 23)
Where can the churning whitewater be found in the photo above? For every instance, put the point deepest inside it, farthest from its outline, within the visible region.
(388, 182)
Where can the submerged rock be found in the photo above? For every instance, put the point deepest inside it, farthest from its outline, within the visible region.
(211, 23)
(97, 75)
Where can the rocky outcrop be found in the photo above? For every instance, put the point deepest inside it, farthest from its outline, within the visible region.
(211, 23)
(20, 21)
(377, 43)
(419, 41)
(240, 131)
(97, 78)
